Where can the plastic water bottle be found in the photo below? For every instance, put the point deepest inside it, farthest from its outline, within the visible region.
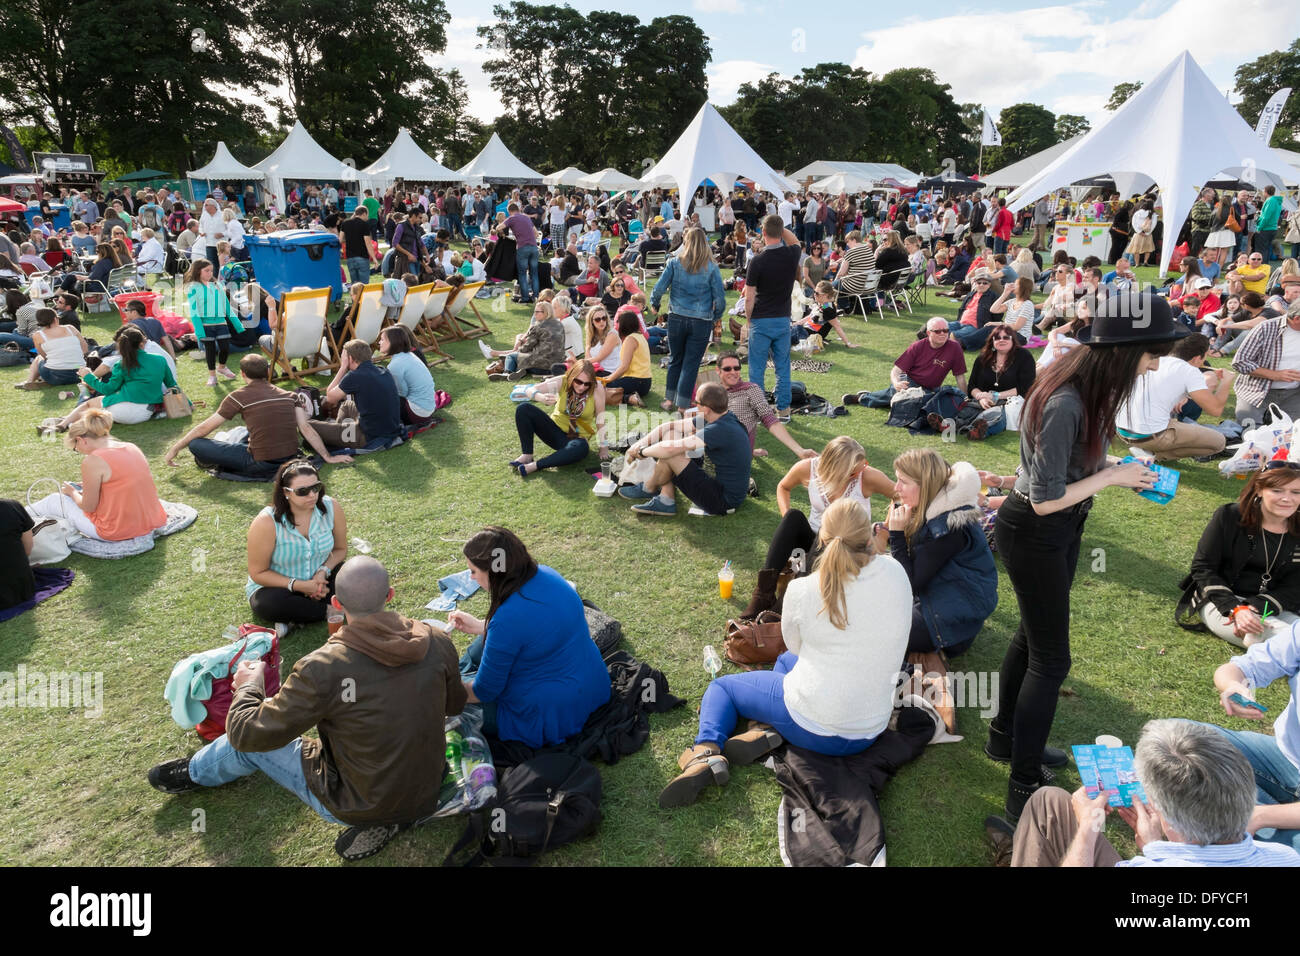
(362, 545)
(478, 773)
(712, 662)
(455, 747)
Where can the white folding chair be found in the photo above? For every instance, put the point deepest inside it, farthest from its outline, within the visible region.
(871, 281)
(304, 336)
(368, 319)
(652, 264)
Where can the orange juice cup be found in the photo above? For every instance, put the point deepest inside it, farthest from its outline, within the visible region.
(726, 580)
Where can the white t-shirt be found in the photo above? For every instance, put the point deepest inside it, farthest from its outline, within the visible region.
(557, 215)
(843, 683)
(1150, 405)
(572, 336)
(1290, 356)
(786, 210)
(810, 211)
(212, 227)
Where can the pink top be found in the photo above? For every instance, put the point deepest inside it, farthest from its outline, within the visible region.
(128, 501)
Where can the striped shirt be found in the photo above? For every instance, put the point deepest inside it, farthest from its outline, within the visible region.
(861, 260)
(295, 556)
(1249, 852)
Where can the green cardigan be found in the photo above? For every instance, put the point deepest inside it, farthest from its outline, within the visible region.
(211, 305)
(143, 385)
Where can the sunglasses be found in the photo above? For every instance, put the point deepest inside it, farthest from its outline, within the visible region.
(1004, 338)
(937, 331)
(1274, 465)
(585, 383)
(306, 490)
(729, 368)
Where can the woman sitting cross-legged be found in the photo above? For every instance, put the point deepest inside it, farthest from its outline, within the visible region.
(411, 375)
(579, 413)
(934, 533)
(832, 692)
(840, 471)
(1247, 564)
(532, 664)
(1003, 370)
(630, 382)
(295, 545)
(61, 351)
(116, 499)
(132, 391)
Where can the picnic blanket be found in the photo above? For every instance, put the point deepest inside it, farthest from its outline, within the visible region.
(49, 582)
(179, 517)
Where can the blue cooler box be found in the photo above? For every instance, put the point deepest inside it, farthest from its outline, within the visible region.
(296, 257)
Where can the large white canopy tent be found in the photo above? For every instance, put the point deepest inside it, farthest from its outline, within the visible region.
(877, 172)
(495, 163)
(609, 180)
(224, 166)
(300, 157)
(837, 183)
(710, 149)
(405, 160)
(1178, 132)
(568, 176)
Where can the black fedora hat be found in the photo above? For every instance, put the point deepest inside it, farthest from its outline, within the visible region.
(1133, 318)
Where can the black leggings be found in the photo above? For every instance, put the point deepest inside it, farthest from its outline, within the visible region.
(282, 605)
(216, 351)
(792, 534)
(531, 421)
(1040, 553)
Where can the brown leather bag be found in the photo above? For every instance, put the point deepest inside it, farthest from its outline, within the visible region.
(929, 681)
(751, 643)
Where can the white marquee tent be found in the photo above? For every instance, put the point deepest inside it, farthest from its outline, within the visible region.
(224, 166)
(300, 157)
(1021, 171)
(710, 149)
(1178, 132)
(876, 172)
(568, 176)
(405, 160)
(609, 180)
(495, 163)
(837, 183)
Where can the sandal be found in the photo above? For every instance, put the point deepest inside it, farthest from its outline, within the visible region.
(668, 406)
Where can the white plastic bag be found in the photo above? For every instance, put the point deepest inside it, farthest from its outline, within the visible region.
(1260, 444)
(1013, 409)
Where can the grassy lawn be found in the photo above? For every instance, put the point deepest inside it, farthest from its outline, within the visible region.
(74, 790)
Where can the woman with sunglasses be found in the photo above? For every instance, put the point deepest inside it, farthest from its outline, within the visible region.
(1003, 370)
(579, 413)
(1067, 424)
(1247, 565)
(602, 339)
(294, 547)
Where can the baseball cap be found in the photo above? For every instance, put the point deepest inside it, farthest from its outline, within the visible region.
(1202, 283)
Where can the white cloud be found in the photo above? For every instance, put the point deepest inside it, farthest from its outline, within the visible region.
(1071, 54)
(726, 78)
(463, 54)
(719, 6)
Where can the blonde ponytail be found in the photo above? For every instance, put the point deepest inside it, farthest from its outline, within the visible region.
(846, 548)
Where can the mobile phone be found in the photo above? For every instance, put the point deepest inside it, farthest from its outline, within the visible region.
(1247, 702)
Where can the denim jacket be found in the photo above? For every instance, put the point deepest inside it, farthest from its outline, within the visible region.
(694, 295)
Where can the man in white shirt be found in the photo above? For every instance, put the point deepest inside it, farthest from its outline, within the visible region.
(1147, 417)
(212, 227)
(786, 210)
(811, 228)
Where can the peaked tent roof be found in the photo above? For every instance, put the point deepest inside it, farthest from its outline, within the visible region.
(877, 172)
(837, 183)
(497, 164)
(1179, 132)
(301, 157)
(568, 176)
(1021, 171)
(710, 149)
(405, 160)
(609, 180)
(225, 166)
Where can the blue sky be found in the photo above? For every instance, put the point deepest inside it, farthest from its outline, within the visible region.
(1065, 56)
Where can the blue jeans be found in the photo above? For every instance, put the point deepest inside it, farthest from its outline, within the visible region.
(469, 663)
(358, 268)
(526, 260)
(760, 695)
(1276, 779)
(219, 763)
(453, 225)
(531, 422)
(999, 246)
(771, 337)
(970, 339)
(26, 343)
(231, 456)
(57, 376)
(687, 339)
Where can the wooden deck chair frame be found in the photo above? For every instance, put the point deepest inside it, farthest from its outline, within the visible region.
(292, 304)
(435, 327)
(412, 317)
(455, 311)
(370, 316)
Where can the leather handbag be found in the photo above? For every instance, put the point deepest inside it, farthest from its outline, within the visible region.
(929, 681)
(176, 405)
(51, 537)
(750, 643)
(223, 693)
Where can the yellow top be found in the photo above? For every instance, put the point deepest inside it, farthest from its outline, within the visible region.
(639, 367)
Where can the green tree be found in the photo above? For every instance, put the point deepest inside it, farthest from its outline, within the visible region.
(918, 124)
(764, 114)
(356, 70)
(1068, 125)
(1026, 128)
(1121, 93)
(1259, 79)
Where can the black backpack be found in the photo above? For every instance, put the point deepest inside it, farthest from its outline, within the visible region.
(545, 802)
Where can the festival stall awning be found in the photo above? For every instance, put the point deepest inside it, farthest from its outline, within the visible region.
(300, 157)
(609, 180)
(405, 160)
(496, 164)
(568, 176)
(224, 167)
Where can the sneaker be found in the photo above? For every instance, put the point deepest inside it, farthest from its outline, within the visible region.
(635, 492)
(935, 421)
(212, 380)
(499, 377)
(516, 375)
(357, 843)
(655, 506)
(850, 398)
(282, 629)
(487, 352)
(783, 416)
(173, 776)
(226, 373)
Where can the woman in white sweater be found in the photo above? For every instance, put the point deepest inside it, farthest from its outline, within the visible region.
(832, 691)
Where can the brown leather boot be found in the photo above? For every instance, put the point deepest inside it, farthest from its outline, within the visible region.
(758, 740)
(701, 765)
(764, 596)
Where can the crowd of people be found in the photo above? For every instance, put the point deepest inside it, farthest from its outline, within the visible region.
(1120, 361)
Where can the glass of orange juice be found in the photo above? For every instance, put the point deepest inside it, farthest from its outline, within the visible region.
(726, 580)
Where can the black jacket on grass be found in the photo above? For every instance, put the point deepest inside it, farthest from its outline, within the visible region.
(1230, 560)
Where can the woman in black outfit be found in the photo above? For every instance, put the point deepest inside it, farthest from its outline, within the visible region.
(1068, 421)
(1003, 370)
(1121, 231)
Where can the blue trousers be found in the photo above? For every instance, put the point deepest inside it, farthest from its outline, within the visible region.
(771, 337)
(25, 341)
(219, 763)
(760, 695)
(469, 663)
(1276, 779)
(526, 260)
(687, 340)
(970, 339)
